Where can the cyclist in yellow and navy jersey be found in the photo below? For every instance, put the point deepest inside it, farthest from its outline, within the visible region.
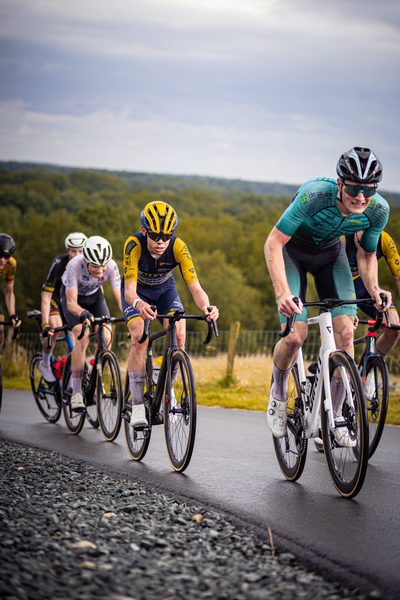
(149, 258)
(8, 265)
(386, 249)
(52, 312)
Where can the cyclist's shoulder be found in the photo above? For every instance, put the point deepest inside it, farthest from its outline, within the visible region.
(133, 241)
(60, 260)
(378, 211)
(316, 190)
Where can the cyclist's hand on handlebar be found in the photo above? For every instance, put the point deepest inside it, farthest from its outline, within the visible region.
(47, 330)
(286, 306)
(379, 304)
(145, 310)
(86, 317)
(16, 320)
(212, 314)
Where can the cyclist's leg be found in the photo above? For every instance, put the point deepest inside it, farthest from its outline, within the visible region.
(286, 350)
(1, 330)
(136, 363)
(55, 320)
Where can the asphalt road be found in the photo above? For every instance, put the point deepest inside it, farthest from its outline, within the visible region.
(234, 469)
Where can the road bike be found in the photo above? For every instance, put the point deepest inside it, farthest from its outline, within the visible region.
(173, 405)
(48, 395)
(14, 337)
(375, 377)
(310, 397)
(101, 387)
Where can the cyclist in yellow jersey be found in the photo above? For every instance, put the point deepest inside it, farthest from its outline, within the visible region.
(386, 248)
(8, 265)
(149, 258)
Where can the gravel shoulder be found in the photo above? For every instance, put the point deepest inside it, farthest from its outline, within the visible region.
(71, 531)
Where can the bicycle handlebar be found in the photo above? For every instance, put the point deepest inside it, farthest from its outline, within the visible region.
(329, 304)
(177, 316)
(36, 314)
(97, 320)
(17, 330)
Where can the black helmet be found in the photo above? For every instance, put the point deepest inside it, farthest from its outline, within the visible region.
(7, 245)
(360, 165)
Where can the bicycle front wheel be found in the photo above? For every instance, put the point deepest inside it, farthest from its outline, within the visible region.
(180, 413)
(376, 389)
(47, 395)
(73, 420)
(109, 396)
(348, 463)
(137, 440)
(291, 450)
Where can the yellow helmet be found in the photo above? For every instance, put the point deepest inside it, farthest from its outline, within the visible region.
(159, 217)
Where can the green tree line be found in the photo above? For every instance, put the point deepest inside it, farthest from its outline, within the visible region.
(225, 234)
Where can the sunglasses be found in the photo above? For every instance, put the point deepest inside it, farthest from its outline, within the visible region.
(165, 237)
(354, 190)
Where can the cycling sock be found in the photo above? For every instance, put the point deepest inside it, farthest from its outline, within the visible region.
(77, 375)
(46, 359)
(279, 386)
(338, 395)
(136, 385)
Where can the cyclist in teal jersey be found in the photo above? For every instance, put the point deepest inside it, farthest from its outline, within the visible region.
(307, 239)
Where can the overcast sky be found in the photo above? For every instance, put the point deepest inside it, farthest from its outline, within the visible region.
(266, 90)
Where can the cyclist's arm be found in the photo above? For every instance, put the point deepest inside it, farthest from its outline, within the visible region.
(202, 301)
(45, 307)
(368, 267)
(142, 306)
(273, 250)
(71, 296)
(9, 297)
(397, 278)
(117, 295)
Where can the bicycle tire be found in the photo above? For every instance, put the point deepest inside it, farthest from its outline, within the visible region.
(180, 416)
(347, 466)
(73, 420)
(137, 440)
(109, 396)
(291, 450)
(47, 395)
(377, 405)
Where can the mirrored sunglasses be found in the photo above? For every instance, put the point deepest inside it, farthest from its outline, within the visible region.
(354, 190)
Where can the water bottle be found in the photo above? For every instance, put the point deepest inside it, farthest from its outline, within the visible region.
(90, 367)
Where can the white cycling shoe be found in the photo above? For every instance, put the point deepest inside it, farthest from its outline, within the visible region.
(77, 402)
(138, 416)
(46, 373)
(342, 435)
(369, 386)
(277, 417)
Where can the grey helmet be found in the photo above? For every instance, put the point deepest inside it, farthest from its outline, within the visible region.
(360, 165)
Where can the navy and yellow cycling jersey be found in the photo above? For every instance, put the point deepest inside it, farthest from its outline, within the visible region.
(9, 270)
(386, 249)
(141, 267)
(53, 282)
(313, 217)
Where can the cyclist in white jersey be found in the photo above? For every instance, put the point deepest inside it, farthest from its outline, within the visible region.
(82, 299)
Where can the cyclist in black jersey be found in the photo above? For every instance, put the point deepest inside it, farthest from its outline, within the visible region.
(8, 265)
(52, 312)
(386, 249)
(307, 238)
(149, 257)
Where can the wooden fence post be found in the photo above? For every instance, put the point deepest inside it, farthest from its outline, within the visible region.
(233, 338)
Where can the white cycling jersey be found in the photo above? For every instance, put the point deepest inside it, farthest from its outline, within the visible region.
(76, 277)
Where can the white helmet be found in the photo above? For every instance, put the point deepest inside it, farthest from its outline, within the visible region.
(97, 251)
(75, 240)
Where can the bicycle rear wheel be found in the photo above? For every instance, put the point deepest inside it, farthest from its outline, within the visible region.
(74, 420)
(137, 440)
(347, 465)
(291, 450)
(377, 399)
(180, 413)
(109, 396)
(47, 395)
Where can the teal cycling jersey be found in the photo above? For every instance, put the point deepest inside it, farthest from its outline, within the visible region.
(313, 216)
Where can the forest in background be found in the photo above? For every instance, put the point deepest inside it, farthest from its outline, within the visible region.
(223, 222)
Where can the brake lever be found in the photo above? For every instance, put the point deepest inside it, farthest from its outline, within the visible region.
(289, 321)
